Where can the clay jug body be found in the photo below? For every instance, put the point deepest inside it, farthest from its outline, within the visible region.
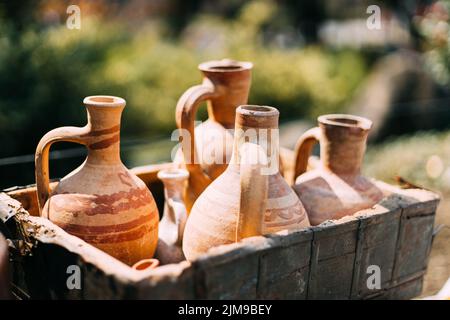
(212, 220)
(171, 226)
(206, 149)
(336, 188)
(101, 201)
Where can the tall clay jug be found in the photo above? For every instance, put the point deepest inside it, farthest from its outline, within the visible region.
(336, 188)
(101, 201)
(212, 220)
(207, 148)
(171, 226)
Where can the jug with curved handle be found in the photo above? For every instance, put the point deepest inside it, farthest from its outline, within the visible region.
(225, 86)
(336, 187)
(232, 206)
(101, 201)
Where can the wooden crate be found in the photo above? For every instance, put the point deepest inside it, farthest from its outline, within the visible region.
(328, 261)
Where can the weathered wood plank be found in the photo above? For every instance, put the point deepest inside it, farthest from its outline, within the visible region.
(230, 271)
(284, 266)
(332, 259)
(376, 246)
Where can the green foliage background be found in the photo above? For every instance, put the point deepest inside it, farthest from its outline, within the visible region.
(45, 72)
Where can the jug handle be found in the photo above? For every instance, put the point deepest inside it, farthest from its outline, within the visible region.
(254, 187)
(303, 150)
(70, 134)
(186, 112)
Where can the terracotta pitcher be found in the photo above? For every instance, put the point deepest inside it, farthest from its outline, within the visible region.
(171, 226)
(336, 188)
(213, 217)
(101, 201)
(207, 149)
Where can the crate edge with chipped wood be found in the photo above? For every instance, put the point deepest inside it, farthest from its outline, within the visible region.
(329, 261)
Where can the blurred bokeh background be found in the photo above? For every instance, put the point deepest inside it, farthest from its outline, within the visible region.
(310, 58)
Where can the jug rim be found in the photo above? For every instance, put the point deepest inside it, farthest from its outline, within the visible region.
(257, 110)
(104, 101)
(225, 65)
(146, 264)
(174, 173)
(345, 120)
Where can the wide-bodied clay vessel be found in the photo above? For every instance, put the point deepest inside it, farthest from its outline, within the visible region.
(171, 226)
(336, 188)
(206, 149)
(212, 220)
(101, 201)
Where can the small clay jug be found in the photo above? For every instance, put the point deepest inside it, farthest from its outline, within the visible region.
(215, 217)
(336, 188)
(101, 201)
(171, 226)
(207, 148)
(5, 290)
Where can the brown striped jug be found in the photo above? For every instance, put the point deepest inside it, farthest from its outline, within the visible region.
(213, 218)
(101, 201)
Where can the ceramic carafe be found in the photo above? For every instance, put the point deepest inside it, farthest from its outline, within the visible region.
(336, 188)
(101, 201)
(212, 220)
(207, 148)
(171, 226)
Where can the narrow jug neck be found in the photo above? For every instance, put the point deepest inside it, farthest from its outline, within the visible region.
(259, 125)
(231, 81)
(343, 149)
(104, 135)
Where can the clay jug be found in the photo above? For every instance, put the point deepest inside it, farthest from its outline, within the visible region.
(212, 220)
(207, 149)
(336, 187)
(5, 290)
(101, 201)
(171, 226)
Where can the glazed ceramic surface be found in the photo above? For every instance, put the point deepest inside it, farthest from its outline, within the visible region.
(212, 220)
(101, 201)
(207, 149)
(336, 188)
